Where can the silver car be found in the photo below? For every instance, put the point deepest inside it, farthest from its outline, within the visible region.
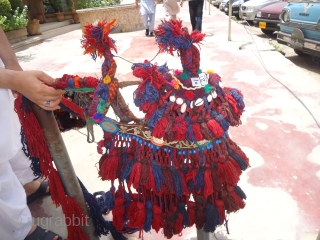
(216, 3)
(249, 9)
(223, 4)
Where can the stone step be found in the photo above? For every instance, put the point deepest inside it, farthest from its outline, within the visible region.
(29, 42)
(59, 30)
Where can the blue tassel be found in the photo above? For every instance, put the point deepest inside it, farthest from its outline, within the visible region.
(190, 186)
(177, 182)
(235, 93)
(199, 180)
(242, 164)
(103, 91)
(147, 223)
(125, 173)
(158, 175)
(150, 93)
(240, 193)
(155, 118)
(224, 124)
(163, 68)
(182, 209)
(190, 135)
(212, 218)
(71, 83)
(109, 199)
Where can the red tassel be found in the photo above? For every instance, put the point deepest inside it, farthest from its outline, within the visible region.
(215, 128)
(178, 225)
(220, 206)
(137, 216)
(135, 175)
(118, 212)
(179, 129)
(73, 107)
(148, 109)
(200, 216)
(109, 165)
(191, 212)
(157, 221)
(232, 202)
(197, 131)
(159, 129)
(227, 173)
(208, 186)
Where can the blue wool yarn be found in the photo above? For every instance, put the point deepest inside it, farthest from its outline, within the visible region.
(190, 135)
(182, 209)
(150, 93)
(105, 67)
(199, 179)
(145, 65)
(177, 182)
(109, 199)
(155, 118)
(242, 164)
(239, 192)
(71, 83)
(103, 91)
(101, 226)
(190, 185)
(213, 114)
(212, 218)
(238, 98)
(163, 68)
(158, 175)
(128, 200)
(125, 173)
(224, 124)
(148, 221)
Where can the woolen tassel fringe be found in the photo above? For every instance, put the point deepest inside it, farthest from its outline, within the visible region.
(170, 219)
(227, 172)
(157, 221)
(183, 211)
(135, 175)
(191, 210)
(212, 218)
(200, 216)
(217, 186)
(109, 199)
(177, 182)
(215, 128)
(148, 222)
(137, 216)
(208, 186)
(110, 165)
(240, 193)
(158, 176)
(220, 207)
(118, 212)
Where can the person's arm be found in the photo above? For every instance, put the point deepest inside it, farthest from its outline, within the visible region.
(181, 3)
(137, 4)
(155, 2)
(32, 84)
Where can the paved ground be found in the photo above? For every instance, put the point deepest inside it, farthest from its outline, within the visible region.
(278, 134)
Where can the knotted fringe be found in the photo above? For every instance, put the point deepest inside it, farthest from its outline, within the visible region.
(39, 149)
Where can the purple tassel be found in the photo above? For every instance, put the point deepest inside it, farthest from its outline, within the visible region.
(212, 218)
(148, 222)
(182, 209)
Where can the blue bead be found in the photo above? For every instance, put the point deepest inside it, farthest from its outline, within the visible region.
(190, 151)
(165, 149)
(179, 153)
(157, 147)
(145, 143)
(133, 137)
(169, 150)
(149, 144)
(194, 151)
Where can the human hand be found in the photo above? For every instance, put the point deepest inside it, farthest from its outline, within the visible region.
(137, 5)
(155, 3)
(35, 85)
(181, 3)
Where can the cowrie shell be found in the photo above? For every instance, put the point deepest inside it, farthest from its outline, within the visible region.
(172, 98)
(214, 94)
(183, 107)
(198, 102)
(209, 98)
(179, 101)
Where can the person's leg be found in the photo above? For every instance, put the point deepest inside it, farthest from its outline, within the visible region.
(192, 13)
(144, 18)
(199, 13)
(152, 17)
(15, 216)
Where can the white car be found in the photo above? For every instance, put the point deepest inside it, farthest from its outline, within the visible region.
(249, 9)
(223, 4)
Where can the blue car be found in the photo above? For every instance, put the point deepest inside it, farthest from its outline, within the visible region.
(300, 27)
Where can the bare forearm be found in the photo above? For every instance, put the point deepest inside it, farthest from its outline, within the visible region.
(8, 79)
(7, 54)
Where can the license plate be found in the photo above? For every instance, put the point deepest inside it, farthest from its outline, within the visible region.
(262, 24)
(310, 45)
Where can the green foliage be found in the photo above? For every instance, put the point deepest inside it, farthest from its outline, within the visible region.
(5, 8)
(56, 4)
(82, 4)
(16, 4)
(16, 21)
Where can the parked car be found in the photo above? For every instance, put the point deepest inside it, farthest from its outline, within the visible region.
(300, 27)
(223, 4)
(235, 7)
(216, 3)
(267, 18)
(249, 9)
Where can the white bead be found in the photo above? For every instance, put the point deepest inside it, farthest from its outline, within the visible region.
(221, 84)
(214, 94)
(183, 107)
(172, 98)
(209, 98)
(199, 102)
(179, 101)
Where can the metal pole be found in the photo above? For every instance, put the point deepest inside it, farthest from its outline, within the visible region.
(229, 22)
(63, 164)
(209, 6)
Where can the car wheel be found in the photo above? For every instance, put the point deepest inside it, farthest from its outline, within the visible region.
(300, 53)
(268, 32)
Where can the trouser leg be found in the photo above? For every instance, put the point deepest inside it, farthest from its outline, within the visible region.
(151, 21)
(145, 21)
(192, 13)
(15, 216)
(198, 17)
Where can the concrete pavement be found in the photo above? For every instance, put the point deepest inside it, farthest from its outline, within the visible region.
(278, 134)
